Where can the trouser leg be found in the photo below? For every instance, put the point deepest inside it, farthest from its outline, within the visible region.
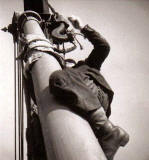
(68, 86)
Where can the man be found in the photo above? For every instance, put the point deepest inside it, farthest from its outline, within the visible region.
(87, 92)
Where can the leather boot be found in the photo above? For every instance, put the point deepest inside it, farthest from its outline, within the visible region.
(110, 137)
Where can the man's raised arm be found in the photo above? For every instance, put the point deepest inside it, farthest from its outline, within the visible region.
(101, 46)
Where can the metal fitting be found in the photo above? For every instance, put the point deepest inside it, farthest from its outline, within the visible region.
(26, 16)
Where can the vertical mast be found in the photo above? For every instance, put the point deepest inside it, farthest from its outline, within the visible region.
(67, 136)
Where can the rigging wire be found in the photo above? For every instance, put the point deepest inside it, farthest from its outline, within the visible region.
(20, 110)
(15, 101)
(18, 106)
(22, 113)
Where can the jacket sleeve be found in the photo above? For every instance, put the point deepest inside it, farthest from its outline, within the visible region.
(101, 47)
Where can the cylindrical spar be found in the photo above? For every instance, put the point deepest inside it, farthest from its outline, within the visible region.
(67, 136)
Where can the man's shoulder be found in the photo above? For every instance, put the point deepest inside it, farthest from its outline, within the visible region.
(94, 73)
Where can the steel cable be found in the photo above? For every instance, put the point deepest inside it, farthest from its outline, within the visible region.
(15, 101)
(18, 106)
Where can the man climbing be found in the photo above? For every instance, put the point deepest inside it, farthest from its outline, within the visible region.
(84, 89)
(81, 87)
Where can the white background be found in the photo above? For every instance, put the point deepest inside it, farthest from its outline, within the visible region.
(125, 24)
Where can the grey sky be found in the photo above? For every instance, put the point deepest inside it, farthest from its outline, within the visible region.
(125, 24)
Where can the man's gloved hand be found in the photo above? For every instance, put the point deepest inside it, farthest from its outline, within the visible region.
(76, 22)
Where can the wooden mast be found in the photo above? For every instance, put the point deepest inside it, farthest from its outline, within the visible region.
(67, 136)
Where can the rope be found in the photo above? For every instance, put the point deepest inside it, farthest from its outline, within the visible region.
(52, 9)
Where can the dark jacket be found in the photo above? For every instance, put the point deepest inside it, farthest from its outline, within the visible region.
(91, 66)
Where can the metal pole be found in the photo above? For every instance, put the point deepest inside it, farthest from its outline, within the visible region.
(67, 136)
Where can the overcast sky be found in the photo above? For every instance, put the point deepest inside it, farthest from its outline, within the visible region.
(125, 24)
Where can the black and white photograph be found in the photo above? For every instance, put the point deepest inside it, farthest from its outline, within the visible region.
(74, 79)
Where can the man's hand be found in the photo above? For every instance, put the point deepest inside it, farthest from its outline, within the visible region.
(76, 22)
